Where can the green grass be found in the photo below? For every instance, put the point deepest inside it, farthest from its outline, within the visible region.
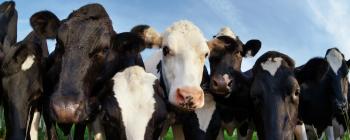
(169, 136)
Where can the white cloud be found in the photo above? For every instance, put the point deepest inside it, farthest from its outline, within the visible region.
(333, 16)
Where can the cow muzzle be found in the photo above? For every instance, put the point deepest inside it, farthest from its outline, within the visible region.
(65, 111)
(221, 84)
(189, 98)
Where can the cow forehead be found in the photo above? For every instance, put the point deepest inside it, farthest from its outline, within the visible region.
(271, 65)
(335, 59)
(226, 31)
(184, 35)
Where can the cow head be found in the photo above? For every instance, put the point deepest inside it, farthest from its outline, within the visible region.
(338, 76)
(184, 50)
(275, 93)
(83, 40)
(226, 54)
(88, 52)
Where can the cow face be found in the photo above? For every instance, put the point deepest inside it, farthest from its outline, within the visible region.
(226, 54)
(184, 50)
(275, 93)
(338, 78)
(83, 40)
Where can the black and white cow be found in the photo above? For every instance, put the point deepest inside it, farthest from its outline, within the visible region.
(134, 106)
(324, 84)
(228, 84)
(275, 93)
(22, 76)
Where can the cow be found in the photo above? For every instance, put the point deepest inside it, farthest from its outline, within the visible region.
(87, 55)
(275, 93)
(323, 83)
(178, 65)
(134, 106)
(22, 71)
(228, 84)
(83, 40)
(8, 27)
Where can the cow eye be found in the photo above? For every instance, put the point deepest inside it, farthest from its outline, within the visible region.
(166, 50)
(297, 92)
(206, 54)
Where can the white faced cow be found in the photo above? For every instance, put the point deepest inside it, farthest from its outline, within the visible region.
(181, 60)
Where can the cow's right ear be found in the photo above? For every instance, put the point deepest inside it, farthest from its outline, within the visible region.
(150, 35)
(315, 70)
(348, 63)
(45, 24)
(251, 48)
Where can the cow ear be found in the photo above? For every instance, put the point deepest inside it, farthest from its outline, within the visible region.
(149, 34)
(251, 48)
(45, 24)
(348, 63)
(314, 70)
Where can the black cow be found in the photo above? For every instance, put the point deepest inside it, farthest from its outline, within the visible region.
(323, 83)
(8, 28)
(83, 40)
(275, 93)
(228, 84)
(22, 78)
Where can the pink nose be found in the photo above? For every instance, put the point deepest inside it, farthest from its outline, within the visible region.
(190, 97)
(220, 84)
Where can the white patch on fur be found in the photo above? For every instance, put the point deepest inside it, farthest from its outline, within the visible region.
(338, 129)
(34, 127)
(184, 65)
(205, 113)
(134, 92)
(335, 60)
(272, 65)
(151, 35)
(330, 133)
(301, 131)
(28, 62)
(226, 31)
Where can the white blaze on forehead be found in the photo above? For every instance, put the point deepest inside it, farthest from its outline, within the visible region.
(226, 31)
(335, 59)
(205, 113)
(272, 65)
(134, 92)
(28, 62)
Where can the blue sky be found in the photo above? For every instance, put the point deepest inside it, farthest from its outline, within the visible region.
(300, 28)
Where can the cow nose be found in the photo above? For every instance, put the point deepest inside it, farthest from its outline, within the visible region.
(66, 111)
(190, 97)
(221, 84)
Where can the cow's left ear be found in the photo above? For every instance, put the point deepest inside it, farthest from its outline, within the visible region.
(251, 48)
(45, 24)
(348, 63)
